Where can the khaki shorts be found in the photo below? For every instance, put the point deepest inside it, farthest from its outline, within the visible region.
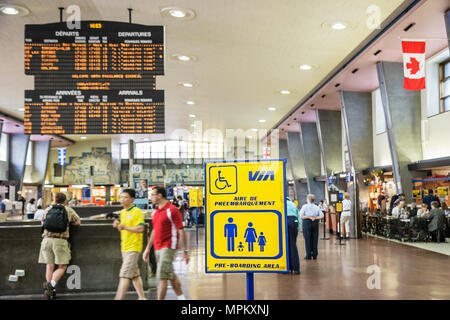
(54, 251)
(130, 265)
(164, 263)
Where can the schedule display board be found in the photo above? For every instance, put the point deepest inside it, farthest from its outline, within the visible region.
(99, 79)
(246, 229)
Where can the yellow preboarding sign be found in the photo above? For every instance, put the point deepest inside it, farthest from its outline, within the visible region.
(246, 227)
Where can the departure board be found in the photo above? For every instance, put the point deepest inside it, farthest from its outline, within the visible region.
(98, 79)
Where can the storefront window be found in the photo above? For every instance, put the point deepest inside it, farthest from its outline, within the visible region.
(124, 151)
(158, 150)
(4, 147)
(444, 71)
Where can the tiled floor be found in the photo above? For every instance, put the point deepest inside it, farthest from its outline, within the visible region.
(340, 272)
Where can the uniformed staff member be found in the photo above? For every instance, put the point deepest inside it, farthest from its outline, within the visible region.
(294, 223)
(311, 214)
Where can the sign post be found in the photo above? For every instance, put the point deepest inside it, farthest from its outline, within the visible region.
(245, 218)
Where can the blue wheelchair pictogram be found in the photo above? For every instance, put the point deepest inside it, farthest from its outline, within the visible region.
(221, 179)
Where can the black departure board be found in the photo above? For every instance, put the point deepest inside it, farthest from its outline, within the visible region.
(98, 79)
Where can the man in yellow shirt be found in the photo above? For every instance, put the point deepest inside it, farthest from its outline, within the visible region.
(131, 227)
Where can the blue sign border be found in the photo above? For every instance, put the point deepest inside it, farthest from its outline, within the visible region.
(280, 252)
(285, 215)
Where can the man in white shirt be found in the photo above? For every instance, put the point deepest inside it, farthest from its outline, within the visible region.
(345, 215)
(398, 209)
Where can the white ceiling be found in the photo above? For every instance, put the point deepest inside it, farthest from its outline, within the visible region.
(246, 52)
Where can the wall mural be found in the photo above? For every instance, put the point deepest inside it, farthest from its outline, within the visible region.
(77, 169)
(155, 176)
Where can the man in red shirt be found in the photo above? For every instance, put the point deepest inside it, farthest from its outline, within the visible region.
(167, 232)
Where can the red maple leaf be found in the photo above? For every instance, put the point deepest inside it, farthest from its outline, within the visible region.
(414, 65)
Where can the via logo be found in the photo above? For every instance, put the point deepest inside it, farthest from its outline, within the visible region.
(261, 175)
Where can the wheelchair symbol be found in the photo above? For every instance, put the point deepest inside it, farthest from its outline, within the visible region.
(221, 179)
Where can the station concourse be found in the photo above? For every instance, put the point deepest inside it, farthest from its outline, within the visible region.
(206, 145)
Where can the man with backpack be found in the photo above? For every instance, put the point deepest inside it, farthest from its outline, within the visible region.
(55, 247)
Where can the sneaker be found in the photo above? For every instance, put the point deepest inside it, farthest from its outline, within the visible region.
(49, 291)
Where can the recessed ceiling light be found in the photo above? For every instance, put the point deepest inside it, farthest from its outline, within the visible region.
(178, 13)
(190, 102)
(254, 129)
(285, 92)
(10, 10)
(338, 25)
(272, 108)
(21, 109)
(262, 120)
(192, 116)
(305, 67)
(249, 137)
(185, 84)
(13, 10)
(83, 138)
(183, 57)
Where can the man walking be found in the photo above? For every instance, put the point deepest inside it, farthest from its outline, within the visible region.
(55, 246)
(166, 234)
(131, 227)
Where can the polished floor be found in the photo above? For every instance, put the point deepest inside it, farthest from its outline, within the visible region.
(340, 272)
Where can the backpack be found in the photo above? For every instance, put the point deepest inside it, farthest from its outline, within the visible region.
(56, 219)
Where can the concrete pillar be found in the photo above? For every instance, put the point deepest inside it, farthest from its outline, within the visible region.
(41, 155)
(357, 122)
(358, 113)
(296, 160)
(312, 156)
(403, 114)
(17, 157)
(331, 129)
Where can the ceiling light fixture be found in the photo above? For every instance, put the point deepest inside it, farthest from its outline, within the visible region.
(83, 138)
(192, 116)
(21, 109)
(10, 10)
(272, 108)
(338, 26)
(183, 57)
(262, 120)
(254, 129)
(285, 92)
(190, 102)
(178, 13)
(185, 84)
(305, 67)
(13, 10)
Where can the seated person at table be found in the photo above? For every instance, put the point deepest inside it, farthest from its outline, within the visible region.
(437, 218)
(423, 210)
(398, 208)
(445, 208)
(413, 211)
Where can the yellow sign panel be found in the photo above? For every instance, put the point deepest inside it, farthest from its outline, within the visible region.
(246, 227)
(339, 206)
(442, 191)
(417, 194)
(193, 198)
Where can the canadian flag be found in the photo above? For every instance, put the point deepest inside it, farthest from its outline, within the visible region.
(414, 64)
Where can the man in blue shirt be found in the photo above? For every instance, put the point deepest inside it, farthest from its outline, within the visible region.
(294, 222)
(430, 198)
(2, 206)
(311, 214)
